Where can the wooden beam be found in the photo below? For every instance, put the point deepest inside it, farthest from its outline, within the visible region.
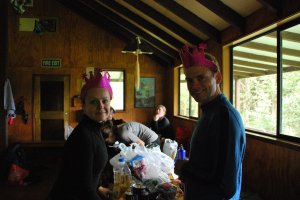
(159, 55)
(264, 58)
(250, 70)
(254, 65)
(144, 24)
(191, 18)
(270, 48)
(272, 5)
(166, 22)
(286, 36)
(225, 12)
(3, 71)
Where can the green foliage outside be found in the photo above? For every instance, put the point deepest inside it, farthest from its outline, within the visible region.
(258, 103)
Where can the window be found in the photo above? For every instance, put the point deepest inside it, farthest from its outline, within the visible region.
(266, 82)
(188, 107)
(118, 87)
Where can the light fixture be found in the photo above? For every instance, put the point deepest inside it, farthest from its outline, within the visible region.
(136, 47)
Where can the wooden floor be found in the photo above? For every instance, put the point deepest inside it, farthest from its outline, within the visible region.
(43, 163)
(43, 177)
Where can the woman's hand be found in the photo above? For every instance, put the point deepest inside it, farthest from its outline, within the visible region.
(104, 192)
(156, 117)
(140, 142)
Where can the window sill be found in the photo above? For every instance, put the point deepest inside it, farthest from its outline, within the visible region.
(276, 141)
(185, 118)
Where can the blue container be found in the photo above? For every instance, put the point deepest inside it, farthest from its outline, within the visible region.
(181, 153)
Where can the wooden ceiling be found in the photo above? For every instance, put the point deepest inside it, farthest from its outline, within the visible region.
(166, 25)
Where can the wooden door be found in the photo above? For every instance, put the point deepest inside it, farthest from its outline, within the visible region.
(51, 107)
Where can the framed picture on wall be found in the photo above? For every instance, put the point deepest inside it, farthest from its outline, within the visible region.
(145, 96)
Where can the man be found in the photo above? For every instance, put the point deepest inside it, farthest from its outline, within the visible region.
(214, 168)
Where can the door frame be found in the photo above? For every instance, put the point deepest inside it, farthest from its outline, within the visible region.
(53, 114)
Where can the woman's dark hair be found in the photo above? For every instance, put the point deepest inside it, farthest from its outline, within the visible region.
(108, 128)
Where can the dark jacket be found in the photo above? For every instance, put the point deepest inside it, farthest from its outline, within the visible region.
(162, 127)
(84, 157)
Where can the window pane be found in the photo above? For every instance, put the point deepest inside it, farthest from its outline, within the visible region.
(184, 106)
(117, 84)
(291, 81)
(194, 108)
(188, 107)
(255, 82)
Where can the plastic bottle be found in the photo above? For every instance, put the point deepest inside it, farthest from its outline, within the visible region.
(122, 177)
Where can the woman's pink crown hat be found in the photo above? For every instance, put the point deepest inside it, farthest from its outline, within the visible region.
(96, 81)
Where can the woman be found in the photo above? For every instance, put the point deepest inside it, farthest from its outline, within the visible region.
(160, 124)
(128, 133)
(85, 153)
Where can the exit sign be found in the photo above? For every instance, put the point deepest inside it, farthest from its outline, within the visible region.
(51, 63)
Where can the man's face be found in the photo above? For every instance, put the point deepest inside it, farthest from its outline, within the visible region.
(202, 83)
(97, 104)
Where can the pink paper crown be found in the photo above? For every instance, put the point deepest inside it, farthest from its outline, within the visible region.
(196, 58)
(96, 81)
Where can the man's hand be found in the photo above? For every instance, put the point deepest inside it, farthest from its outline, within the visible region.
(104, 192)
(178, 167)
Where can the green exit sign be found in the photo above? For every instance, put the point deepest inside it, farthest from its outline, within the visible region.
(51, 63)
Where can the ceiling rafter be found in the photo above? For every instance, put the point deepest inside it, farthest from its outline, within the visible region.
(162, 56)
(191, 18)
(272, 5)
(254, 65)
(229, 15)
(249, 70)
(171, 41)
(104, 12)
(270, 48)
(287, 36)
(166, 22)
(264, 58)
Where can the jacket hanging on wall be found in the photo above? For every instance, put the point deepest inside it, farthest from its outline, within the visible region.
(9, 104)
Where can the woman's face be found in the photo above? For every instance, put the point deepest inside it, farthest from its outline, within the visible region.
(97, 104)
(160, 111)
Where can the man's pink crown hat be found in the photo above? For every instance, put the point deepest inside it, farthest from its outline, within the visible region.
(96, 81)
(196, 58)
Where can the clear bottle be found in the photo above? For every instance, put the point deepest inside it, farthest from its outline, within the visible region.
(122, 177)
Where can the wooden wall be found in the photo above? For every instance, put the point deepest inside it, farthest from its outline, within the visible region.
(272, 169)
(80, 44)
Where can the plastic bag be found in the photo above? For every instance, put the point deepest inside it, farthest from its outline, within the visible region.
(170, 148)
(68, 131)
(146, 163)
(17, 175)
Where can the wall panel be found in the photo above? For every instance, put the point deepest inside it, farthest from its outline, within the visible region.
(80, 44)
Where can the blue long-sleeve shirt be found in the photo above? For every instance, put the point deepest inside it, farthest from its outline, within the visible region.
(218, 143)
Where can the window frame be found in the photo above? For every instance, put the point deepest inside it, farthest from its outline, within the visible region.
(190, 100)
(278, 30)
(124, 87)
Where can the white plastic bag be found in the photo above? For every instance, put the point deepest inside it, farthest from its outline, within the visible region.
(149, 163)
(170, 148)
(68, 131)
